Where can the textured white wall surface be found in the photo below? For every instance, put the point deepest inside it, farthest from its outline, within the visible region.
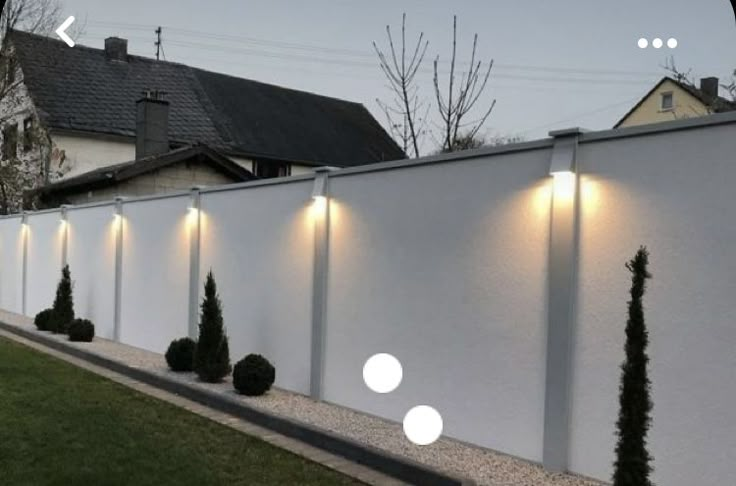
(11, 269)
(91, 257)
(258, 244)
(155, 282)
(44, 260)
(444, 267)
(83, 154)
(673, 193)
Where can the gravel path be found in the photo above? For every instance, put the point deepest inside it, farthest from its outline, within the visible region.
(484, 466)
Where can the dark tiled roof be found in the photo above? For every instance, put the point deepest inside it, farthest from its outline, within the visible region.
(80, 89)
(114, 174)
(717, 105)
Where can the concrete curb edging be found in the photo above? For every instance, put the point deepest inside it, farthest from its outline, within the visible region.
(398, 467)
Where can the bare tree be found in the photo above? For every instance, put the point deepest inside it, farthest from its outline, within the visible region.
(731, 86)
(24, 159)
(461, 98)
(403, 112)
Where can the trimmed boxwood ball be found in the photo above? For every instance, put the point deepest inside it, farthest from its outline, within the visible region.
(43, 319)
(180, 355)
(253, 375)
(81, 330)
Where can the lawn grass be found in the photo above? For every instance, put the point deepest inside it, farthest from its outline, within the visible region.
(62, 425)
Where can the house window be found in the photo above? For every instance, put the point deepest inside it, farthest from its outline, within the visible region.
(667, 101)
(27, 134)
(10, 142)
(267, 170)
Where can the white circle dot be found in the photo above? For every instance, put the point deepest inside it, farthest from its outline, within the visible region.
(643, 43)
(382, 373)
(672, 43)
(657, 43)
(423, 425)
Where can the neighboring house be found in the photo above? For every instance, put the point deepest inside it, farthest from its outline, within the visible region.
(74, 111)
(175, 170)
(671, 99)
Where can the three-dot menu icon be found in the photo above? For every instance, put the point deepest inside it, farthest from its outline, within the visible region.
(657, 43)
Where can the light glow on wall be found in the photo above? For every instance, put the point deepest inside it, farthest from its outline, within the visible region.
(192, 216)
(564, 185)
(319, 205)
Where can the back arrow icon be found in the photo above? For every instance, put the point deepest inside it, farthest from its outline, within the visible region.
(62, 28)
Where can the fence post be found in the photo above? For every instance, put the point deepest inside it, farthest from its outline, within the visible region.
(24, 264)
(194, 222)
(561, 299)
(64, 236)
(321, 214)
(118, 267)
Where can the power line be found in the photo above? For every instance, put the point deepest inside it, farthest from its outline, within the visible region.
(372, 66)
(581, 115)
(360, 54)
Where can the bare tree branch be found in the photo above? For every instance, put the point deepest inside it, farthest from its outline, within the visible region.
(400, 71)
(461, 98)
(24, 162)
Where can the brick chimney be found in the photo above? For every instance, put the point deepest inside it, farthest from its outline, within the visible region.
(151, 125)
(116, 49)
(709, 87)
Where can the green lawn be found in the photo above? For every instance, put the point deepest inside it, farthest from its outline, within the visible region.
(61, 425)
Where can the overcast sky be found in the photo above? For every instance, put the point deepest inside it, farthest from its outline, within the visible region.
(558, 63)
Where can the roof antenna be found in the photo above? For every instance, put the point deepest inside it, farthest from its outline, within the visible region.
(158, 42)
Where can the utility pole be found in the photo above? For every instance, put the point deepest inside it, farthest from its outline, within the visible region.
(158, 42)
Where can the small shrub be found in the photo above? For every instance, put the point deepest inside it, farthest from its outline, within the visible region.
(180, 355)
(81, 330)
(253, 375)
(43, 319)
(63, 310)
(212, 353)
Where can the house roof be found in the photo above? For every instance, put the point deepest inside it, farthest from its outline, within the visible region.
(80, 89)
(114, 174)
(718, 105)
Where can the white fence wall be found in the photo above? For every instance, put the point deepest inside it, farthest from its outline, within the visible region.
(444, 263)
(425, 264)
(258, 243)
(91, 255)
(45, 233)
(155, 282)
(11, 264)
(673, 192)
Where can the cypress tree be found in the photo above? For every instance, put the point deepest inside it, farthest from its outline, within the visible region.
(212, 354)
(62, 313)
(632, 466)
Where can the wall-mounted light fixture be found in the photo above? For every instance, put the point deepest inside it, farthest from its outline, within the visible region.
(563, 165)
(64, 208)
(193, 208)
(319, 191)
